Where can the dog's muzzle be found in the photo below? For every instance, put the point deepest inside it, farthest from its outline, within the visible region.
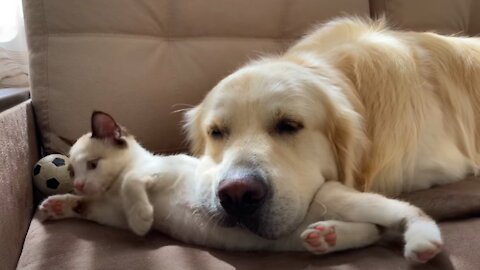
(242, 193)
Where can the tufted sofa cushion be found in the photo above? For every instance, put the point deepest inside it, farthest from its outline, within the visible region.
(442, 16)
(147, 60)
(144, 60)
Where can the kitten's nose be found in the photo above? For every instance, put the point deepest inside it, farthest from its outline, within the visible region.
(79, 186)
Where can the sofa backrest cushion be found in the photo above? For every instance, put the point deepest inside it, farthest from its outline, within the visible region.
(441, 16)
(144, 61)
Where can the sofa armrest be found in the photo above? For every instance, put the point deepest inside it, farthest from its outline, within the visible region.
(18, 152)
(10, 97)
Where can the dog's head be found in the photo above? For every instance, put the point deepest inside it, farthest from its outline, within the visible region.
(98, 157)
(276, 131)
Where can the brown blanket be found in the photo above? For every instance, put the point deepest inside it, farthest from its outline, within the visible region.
(452, 201)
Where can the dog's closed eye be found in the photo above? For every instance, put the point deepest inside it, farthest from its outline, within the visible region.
(287, 126)
(217, 133)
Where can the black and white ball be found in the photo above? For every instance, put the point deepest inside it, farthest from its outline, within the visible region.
(51, 175)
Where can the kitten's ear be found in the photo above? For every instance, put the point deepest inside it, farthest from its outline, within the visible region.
(105, 127)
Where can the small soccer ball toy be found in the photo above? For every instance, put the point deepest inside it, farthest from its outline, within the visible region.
(51, 175)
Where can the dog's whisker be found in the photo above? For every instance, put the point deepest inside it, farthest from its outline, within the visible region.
(180, 110)
(186, 107)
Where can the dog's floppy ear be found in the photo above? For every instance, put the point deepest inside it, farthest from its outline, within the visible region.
(343, 136)
(346, 133)
(104, 127)
(193, 129)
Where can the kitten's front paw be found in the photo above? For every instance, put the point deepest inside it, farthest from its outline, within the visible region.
(140, 218)
(58, 207)
(319, 238)
(423, 241)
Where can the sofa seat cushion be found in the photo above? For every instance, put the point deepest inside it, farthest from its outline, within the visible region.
(75, 244)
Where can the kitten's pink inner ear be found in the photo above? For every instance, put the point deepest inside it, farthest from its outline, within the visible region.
(104, 126)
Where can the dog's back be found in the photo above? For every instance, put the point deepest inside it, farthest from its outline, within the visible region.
(417, 95)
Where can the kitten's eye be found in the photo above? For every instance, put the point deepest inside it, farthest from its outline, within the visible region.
(216, 133)
(71, 171)
(92, 164)
(288, 127)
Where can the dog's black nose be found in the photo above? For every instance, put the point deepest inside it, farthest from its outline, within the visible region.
(241, 197)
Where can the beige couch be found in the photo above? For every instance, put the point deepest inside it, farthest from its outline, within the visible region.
(143, 60)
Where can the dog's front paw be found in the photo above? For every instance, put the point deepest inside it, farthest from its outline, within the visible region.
(140, 218)
(58, 207)
(423, 241)
(320, 237)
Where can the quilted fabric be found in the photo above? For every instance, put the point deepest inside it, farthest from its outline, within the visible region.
(144, 60)
(442, 16)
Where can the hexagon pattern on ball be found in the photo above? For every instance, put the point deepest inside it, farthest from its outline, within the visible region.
(52, 183)
(36, 170)
(58, 162)
(51, 176)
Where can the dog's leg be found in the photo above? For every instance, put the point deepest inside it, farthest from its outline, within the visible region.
(422, 236)
(73, 206)
(138, 209)
(334, 235)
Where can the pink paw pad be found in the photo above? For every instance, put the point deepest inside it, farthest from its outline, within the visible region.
(56, 206)
(320, 238)
(331, 238)
(426, 255)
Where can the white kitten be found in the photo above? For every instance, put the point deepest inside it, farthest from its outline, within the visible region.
(121, 184)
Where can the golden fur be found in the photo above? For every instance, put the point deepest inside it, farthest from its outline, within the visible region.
(400, 109)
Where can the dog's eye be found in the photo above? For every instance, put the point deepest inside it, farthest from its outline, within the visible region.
(216, 133)
(287, 126)
(92, 164)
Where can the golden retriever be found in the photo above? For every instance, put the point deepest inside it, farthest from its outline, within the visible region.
(353, 101)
